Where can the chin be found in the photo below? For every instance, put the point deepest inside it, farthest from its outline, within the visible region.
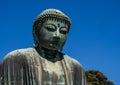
(51, 47)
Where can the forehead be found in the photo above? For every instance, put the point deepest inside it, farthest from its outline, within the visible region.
(55, 22)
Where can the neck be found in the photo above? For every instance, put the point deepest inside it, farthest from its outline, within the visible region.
(52, 55)
(49, 52)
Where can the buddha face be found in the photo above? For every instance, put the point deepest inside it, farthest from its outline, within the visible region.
(53, 34)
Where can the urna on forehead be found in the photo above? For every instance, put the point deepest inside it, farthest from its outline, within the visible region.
(55, 22)
(52, 14)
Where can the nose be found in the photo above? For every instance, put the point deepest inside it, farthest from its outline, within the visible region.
(57, 33)
(56, 36)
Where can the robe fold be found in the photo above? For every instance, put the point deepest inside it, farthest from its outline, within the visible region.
(27, 67)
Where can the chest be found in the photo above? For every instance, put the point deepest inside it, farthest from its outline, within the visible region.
(53, 73)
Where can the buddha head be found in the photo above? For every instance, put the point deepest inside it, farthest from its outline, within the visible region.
(50, 29)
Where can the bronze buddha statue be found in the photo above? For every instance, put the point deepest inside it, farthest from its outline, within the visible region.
(45, 63)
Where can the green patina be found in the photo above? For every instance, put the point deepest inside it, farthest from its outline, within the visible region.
(44, 64)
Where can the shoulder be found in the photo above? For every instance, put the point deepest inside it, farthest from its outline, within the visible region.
(19, 53)
(72, 61)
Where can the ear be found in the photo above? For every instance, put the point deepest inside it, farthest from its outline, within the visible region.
(35, 36)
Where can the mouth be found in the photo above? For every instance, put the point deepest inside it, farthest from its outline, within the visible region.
(55, 41)
(54, 44)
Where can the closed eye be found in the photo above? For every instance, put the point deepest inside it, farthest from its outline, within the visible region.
(50, 28)
(64, 30)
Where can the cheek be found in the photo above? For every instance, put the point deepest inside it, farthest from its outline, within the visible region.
(45, 35)
(63, 38)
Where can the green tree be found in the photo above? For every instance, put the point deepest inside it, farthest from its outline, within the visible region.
(95, 77)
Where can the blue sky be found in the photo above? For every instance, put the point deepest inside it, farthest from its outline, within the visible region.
(94, 38)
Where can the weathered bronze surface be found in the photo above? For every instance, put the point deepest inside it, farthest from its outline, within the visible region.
(45, 64)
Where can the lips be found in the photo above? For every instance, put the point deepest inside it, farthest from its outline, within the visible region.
(55, 42)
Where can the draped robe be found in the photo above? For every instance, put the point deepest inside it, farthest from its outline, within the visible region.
(27, 67)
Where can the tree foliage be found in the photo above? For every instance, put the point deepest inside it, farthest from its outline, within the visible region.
(95, 77)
